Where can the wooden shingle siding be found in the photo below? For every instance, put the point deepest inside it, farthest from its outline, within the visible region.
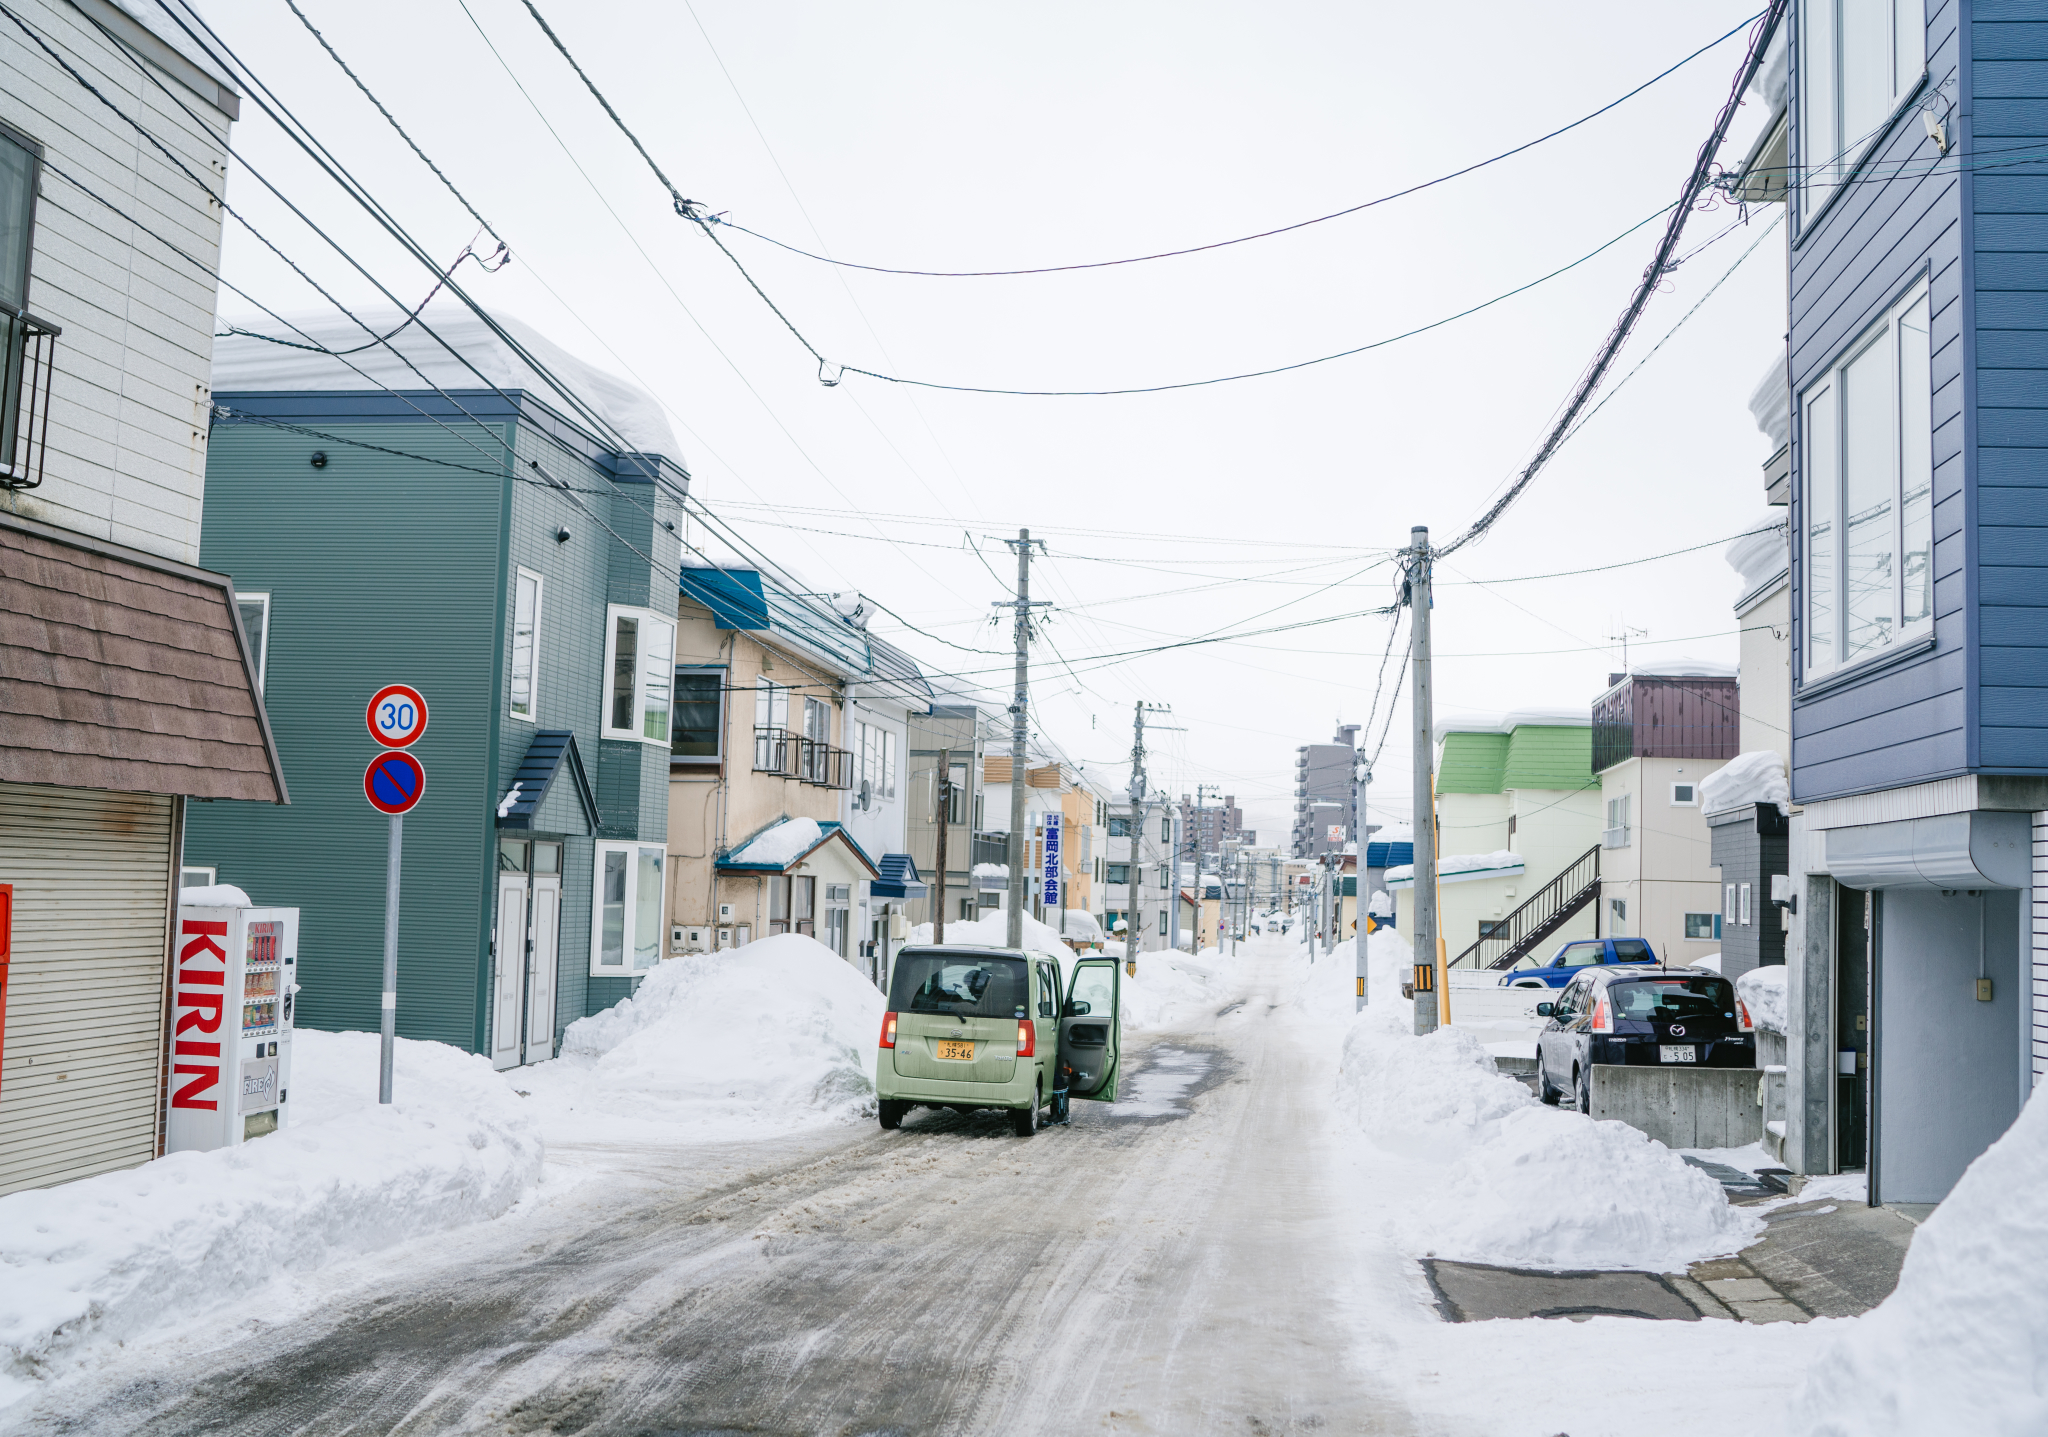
(1908, 721)
(118, 674)
(126, 457)
(2009, 85)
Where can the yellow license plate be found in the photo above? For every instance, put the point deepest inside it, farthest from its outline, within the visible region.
(957, 1049)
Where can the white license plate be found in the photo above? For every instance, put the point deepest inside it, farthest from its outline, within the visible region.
(1677, 1053)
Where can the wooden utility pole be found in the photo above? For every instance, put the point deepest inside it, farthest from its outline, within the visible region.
(943, 787)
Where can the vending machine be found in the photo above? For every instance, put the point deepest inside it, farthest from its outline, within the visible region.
(232, 990)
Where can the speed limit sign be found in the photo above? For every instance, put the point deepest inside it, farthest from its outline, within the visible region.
(397, 715)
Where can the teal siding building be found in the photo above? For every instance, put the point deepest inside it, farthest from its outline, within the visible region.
(518, 568)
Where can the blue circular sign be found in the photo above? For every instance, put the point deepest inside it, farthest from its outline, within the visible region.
(394, 782)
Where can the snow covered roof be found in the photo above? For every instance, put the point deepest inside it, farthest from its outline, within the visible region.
(481, 360)
(1512, 720)
(1684, 669)
(1461, 868)
(1770, 403)
(787, 842)
(1745, 780)
(1761, 558)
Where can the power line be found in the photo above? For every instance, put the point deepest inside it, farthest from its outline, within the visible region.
(1241, 239)
(1659, 266)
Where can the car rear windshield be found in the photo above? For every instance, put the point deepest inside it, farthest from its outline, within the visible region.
(971, 984)
(1631, 950)
(1663, 999)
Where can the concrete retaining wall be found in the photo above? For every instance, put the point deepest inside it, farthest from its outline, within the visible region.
(1682, 1107)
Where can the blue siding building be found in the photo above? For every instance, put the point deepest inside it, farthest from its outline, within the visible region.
(1917, 368)
(441, 517)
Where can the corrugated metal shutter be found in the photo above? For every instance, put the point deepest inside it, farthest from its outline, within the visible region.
(91, 874)
(2038, 923)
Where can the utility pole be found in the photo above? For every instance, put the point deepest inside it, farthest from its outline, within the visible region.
(1364, 841)
(1428, 943)
(943, 787)
(1134, 923)
(1020, 729)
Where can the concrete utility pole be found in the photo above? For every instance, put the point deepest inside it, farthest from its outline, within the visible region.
(943, 787)
(1364, 841)
(1134, 872)
(1426, 939)
(1020, 730)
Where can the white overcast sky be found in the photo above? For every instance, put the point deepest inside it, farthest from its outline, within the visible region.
(947, 136)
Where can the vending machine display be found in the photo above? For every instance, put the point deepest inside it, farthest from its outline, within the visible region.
(231, 1024)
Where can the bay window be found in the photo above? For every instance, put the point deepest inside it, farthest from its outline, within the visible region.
(625, 911)
(1858, 62)
(1868, 526)
(639, 659)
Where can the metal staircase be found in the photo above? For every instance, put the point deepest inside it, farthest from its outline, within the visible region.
(1548, 909)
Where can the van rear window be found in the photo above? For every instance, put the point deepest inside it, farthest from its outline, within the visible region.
(972, 984)
(1666, 998)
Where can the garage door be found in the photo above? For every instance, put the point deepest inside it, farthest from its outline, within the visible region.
(80, 1064)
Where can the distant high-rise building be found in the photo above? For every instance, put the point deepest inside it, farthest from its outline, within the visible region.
(1322, 794)
(1210, 827)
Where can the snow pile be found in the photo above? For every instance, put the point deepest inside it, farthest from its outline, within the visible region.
(1762, 991)
(776, 1034)
(993, 932)
(990, 870)
(217, 895)
(1171, 988)
(1504, 859)
(1080, 926)
(1959, 1346)
(1503, 1179)
(1381, 906)
(780, 844)
(1754, 777)
(109, 1258)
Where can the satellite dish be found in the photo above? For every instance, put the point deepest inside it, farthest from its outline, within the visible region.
(867, 795)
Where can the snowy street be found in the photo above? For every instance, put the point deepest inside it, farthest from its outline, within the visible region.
(1162, 1265)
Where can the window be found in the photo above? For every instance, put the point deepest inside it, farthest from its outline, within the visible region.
(888, 789)
(1683, 795)
(195, 877)
(254, 610)
(968, 986)
(1579, 955)
(699, 725)
(525, 638)
(1166, 829)
(1491, 928)
(626, 910)
(1119, 827)
(1742, 904)
(639, 665)
(771, 705)
(1728, 901)
(1118, 873)
(1617, 834)
(1869, 520)
(1858, 61)
(20, 164)
(1703, 925)
(1617, 910)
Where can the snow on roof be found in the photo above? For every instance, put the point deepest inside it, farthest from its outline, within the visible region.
(1760, 557)
(1501, 860)
(1512, 720)
(1770, 403)
(1748, 778)
(1684, 669)
(780, 845)
(422, 362)
(152, 17)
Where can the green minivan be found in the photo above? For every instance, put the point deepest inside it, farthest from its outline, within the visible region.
(997, 1028)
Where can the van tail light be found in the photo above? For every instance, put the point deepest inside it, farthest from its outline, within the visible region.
(1027, 1040)
(1603, 1016)
(1742, 1018)
(888, 1030)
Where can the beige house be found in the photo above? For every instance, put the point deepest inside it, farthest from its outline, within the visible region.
(771, 685)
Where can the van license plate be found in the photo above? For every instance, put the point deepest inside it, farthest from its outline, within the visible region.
(956, 1049)
(1667, 1053)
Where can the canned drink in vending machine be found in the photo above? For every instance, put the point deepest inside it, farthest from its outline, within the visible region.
(233, 981)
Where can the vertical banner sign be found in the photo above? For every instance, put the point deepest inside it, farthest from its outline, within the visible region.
(1052, 860)
(201, 1004)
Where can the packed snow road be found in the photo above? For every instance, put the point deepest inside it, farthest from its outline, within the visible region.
(1165, 1265)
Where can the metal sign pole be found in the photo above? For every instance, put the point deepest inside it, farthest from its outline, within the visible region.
(390, 1025)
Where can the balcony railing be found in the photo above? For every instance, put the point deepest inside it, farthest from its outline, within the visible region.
(778, 751)
(821, 764)
(29, 358)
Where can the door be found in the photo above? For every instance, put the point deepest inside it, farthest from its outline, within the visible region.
(540, 983)
(1852, 1026)
(508, 948)
(1091, 1030)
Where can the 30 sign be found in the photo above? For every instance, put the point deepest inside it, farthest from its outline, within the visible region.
(396, 716)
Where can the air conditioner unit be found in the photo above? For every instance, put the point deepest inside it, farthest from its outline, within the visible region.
(725, 913)
(693, 940)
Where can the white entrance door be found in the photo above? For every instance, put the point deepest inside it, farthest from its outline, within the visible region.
(540, 996)
(510, 949)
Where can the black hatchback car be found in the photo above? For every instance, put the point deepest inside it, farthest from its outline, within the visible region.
(1645, 1017)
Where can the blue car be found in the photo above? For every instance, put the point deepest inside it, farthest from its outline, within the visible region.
(1573, 958)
